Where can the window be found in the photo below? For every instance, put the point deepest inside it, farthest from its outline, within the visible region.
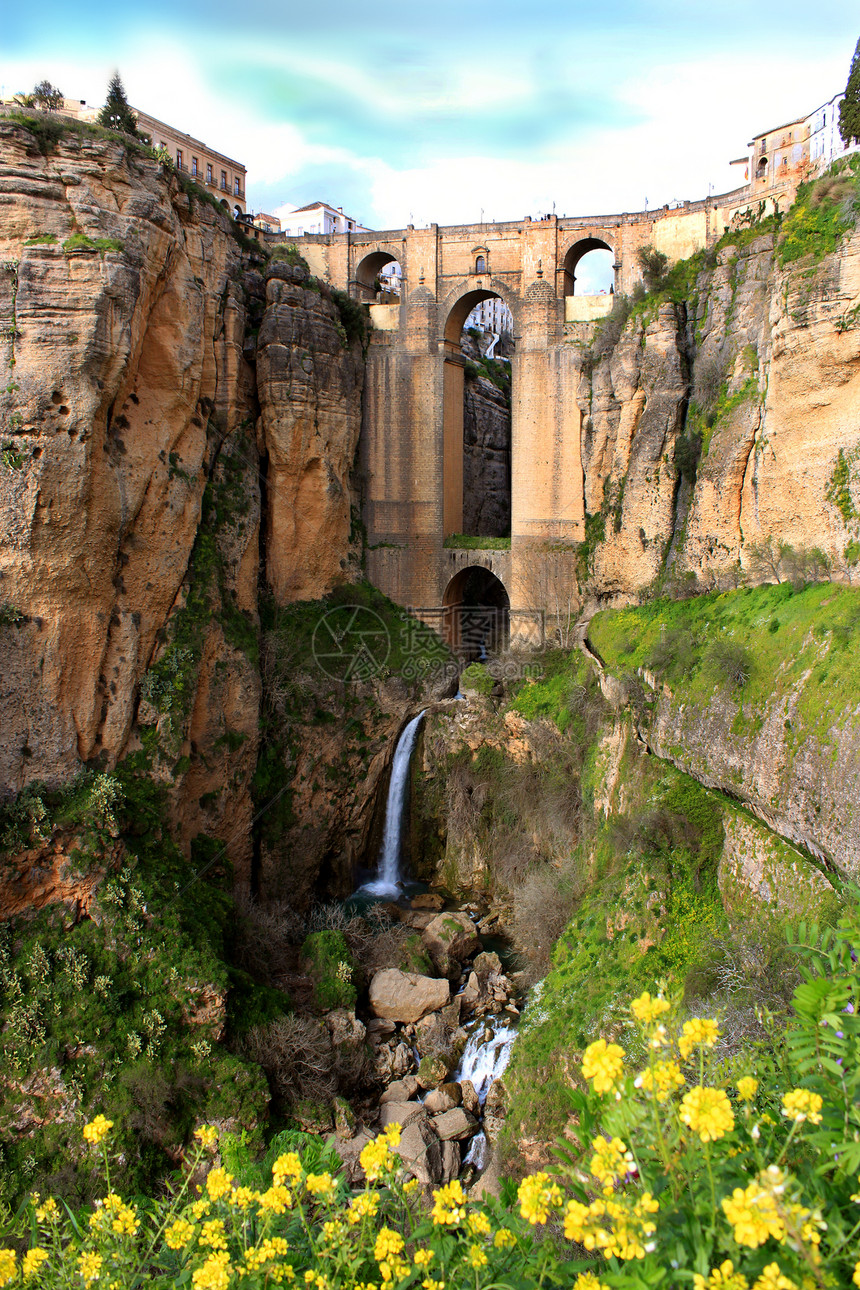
(480, 264)
(237, 187)
(178, 158)
(194, 165)
(208, 173)
(224, 180)
(350, 223)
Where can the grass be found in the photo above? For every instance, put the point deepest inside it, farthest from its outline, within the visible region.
(474, 542)
(821, 214)
(81, 242)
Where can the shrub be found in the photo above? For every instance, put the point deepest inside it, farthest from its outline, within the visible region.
(654, 265)
(331, 966)
(730, 661)
(296, 1054)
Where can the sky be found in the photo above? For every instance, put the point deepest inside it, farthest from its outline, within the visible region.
(453, 112)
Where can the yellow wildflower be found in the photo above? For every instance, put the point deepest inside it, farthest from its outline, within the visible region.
(89, 1266)
(616, 1226)
(588, 1281)
(97, 1129)
(276, 1200)
(477, 1257)
(320, 1184)
(449, 1204)
(698, 1033)
(376, 1157)
(48, 1212)
(610, 1160)
(662, 1078)
(207, 1135)
(423, 1258)
(388, 1242)
(199, 1208)
(178, 1234)
(7, 1266)
(430, 1284)
(212, 1233)
(753, 1214)
(504, 1239)
(708, 1112)
(603, 1063)
(286, 1166)
(537, 1195)
(800, 1105)
(33, 1261)
(214, 1274)
(772, 1278)
(125, 1222)
(242, 1197)
(479, 1224)
(647, 1008)
(856, 1277)
(364, 1206)
(722, 1278)
(747, 1088)
(218, 1183)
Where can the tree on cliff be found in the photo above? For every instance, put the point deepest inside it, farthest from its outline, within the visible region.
(44, 95)
(849, 108)
(116, 113)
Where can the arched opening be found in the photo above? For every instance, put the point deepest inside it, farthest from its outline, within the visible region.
(588, 268)
(476, 614)
(378, 279)
(479, 348)
(480, 264)
(238, 213)
(225, 204)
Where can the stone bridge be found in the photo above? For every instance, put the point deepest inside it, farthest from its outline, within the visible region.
(411, 451)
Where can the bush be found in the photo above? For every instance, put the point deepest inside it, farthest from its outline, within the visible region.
(331, 966)
(730, 661)
(296, 1054)
(654, 265)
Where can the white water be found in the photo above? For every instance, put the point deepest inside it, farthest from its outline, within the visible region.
(485, 1060)
(389, 877)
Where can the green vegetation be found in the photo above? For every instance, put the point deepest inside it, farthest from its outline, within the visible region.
(839, 487)
(41, 239)
(475, 677)
(117, 114)
(473, 542)
(81, 242)
(849, 107)
(492, 369)
(821, 214)
(332, 968)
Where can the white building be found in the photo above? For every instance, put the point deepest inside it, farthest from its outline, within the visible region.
(491, 315)
(825, 141)
(318, 217)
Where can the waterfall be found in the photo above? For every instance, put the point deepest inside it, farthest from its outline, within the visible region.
(389, 877)
(484, 1060)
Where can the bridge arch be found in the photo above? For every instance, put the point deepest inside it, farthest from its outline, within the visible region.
(368, 271)
(476, 613)
(461, 306)
(577, 252)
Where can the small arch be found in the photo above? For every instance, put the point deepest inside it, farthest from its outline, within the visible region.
(578, 252)
(238, 213)
(378, 272)
(476, 613)
(225, 204)
(460, 311)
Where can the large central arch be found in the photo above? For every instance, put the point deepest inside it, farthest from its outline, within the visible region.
(452, 412)
(575, 253)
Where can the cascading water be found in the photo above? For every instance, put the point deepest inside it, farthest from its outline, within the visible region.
(483, 1061)
(389, 877)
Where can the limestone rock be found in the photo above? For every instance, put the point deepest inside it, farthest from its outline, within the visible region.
(450, 939)
(450, 1161)
(401, 1113)
(438, 1101)
(421, 1152)
(471, 1101)
(428, 900)
(454, 1091)
(433, 1071)
(455, 1123)
(401, 1090)
(403, 996)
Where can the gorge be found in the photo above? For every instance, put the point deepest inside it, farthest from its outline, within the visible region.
(191, 786)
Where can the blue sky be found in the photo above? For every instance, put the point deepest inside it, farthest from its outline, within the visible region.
(441, 112)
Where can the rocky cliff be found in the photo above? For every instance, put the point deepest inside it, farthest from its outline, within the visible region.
(486, 457)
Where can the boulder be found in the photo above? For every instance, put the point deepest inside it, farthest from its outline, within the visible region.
(438, 1101)
(450, 1161)
(471, 1101)
(485, 963)
(401, 1090)
(429, 900)
(345, 1028)
(421, 1152)
(455, 1124)
(344, 1118)
(404, 1060)
(404, 996)
(401, 1113)
(450, 939)
(471, 991)
(433, 1071)
(454, 1092)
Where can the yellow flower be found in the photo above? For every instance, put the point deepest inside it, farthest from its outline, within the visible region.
(430, 1284)
(722, 1278)
(772, 1278)
(610, 1159)
(7, 1266)
(242, 1197)
(33, 1261)
(588, 1281)
(214, 1274)
(747, 1088)
(48, 1212)
(708, 1112)
(423, 1258)
(286, 1166)
(388, 1242)
(199, 1208)
(537, 1195)
(320, 1184)
(449, 1204)
(603, 1063)
(89, 1266)
(125, 1222)
(700, 1032)
(376, 1157)
(218, 1183)
(479, 1224)
(363, 1206)
(212, 1233)
(504, 1239)
(276, 1200)
(178, 1234)
(800, 1105)
(856, 1277)
(753, 1214)
(97, 1129)
(647, 1009)
(617, 1226)
(662, 1078)
(207, 1135)
(477, 1257)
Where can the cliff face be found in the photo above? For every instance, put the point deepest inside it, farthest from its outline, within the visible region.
(486, 459)
(140, 449)
(755, 372)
